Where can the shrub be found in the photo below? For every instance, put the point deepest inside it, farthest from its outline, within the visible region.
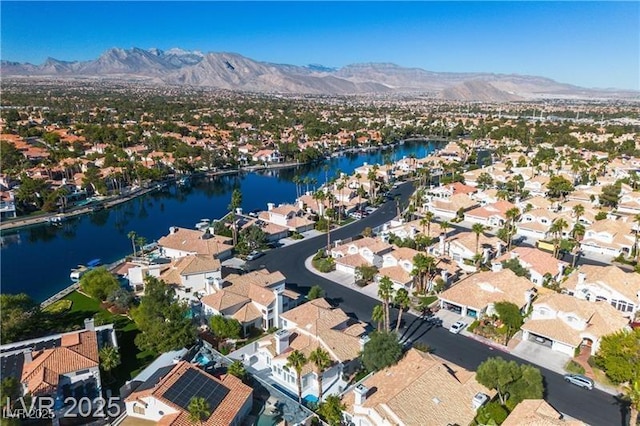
(601, 215)
(473, 326)
(296, 236)
(493, 411)
(324, 264)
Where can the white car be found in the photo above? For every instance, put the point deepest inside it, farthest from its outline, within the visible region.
(457, 327)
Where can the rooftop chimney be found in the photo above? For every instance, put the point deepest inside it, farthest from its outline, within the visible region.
(282, 340)
(89, 324)
(581, 278)
(173, 230)
(270, 206)
(28, 356)
(360, 393)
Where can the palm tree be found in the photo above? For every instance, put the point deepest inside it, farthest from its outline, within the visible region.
(132, 236)
(297, 361)
(109, 358)
(236, 201)
(578, 210)
(236, 368)
(477, 229)
(577, 232)
(321, 361)
(340, 188)
(141, 241)
(444, 226)
(636, 219)
(556, 228)
(512, 215)
(296, 181)
(385, 292)
(402, 300)
(428, 216)
(378, 315)
(199, 409)
(631, 392)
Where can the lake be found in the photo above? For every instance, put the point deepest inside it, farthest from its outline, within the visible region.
(37, 260)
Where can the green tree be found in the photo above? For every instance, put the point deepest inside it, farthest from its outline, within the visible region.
(556, 228)
(331, 410)
(377, 315)
(236, 202)
(297, 361)
(516, 267)
(619, 355)
(99, 283)
(511, 381)
(559, 187)
(19, 315)
(366, 273)
(321, 360)
(121, 298)
(11, 157)
(132, 235)
(225, 328)
(422, 266)
(109, 358)
(610, 195)
(492, 414)
(315, 292)
(236, 368)
(478, 229)
(9, 390)
(162, 320)
(509, 313)
(382, 350)
(403, 302)
(385, 292)
(198, 409)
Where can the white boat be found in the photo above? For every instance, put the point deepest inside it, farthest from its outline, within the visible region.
(77, 273)
(57, 219)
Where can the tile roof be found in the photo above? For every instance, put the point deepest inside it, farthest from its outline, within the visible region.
(78, 351)
(223, 415)
(538, 260)
(224, 299)
(396, 273)
(352, 260)
(483, 288)
(537, 412)
(422, 389)
(191, 241)
(626, 283)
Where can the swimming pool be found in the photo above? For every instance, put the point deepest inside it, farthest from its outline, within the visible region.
(202, 359)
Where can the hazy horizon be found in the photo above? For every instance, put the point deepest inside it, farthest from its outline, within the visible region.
(587, 44)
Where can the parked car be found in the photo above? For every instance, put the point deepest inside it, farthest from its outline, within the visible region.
(370, 210)
(579, 380)
(254, 255)
(457, 327)
(356, 215)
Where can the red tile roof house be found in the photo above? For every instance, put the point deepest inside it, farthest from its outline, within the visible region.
(164, 397)
(540, 264)
(59, 365)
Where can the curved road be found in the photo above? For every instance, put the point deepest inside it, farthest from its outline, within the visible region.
(593, 407)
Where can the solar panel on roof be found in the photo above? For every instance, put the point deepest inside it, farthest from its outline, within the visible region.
(194, 384)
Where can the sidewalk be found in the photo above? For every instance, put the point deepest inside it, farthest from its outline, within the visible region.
(344, 279)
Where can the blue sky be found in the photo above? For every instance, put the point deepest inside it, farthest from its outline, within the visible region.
(591, 44)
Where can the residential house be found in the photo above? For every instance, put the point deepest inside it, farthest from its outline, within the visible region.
(538, 412)
(365, 251)
(491, 215)
(606, 284)
(629, 203)
(397, 265)
(307, 327)
(609, 237)
(537, 186)
(475, 295)
(7, 205)
(287, 215)
(421, 389)
(59, 365)
(535, 223)
(450, 208)
(461, 247)
(255, 299)
(541, 265)
(566, 323)
(165, 395)
(267, 156)
(272, 231)
(183, 242)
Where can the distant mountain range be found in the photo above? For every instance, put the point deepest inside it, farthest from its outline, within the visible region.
(236, 72)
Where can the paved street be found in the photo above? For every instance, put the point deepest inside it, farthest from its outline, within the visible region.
(594, 407)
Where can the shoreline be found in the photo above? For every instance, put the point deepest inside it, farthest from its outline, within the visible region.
(40, 219)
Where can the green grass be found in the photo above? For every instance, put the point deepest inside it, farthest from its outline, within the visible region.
(574, 367)
(59, 307)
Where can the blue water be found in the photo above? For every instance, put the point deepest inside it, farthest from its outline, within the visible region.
(37, 260)
(202, 359)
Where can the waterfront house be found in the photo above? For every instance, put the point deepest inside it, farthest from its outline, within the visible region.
(607, 284)
(541, 265)
(421, 389)
(305, 328)
(164, 397)
(255, 299)
(475, 295)
(59, 365)
(566, 323)
(183, 242)
(289, 216)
